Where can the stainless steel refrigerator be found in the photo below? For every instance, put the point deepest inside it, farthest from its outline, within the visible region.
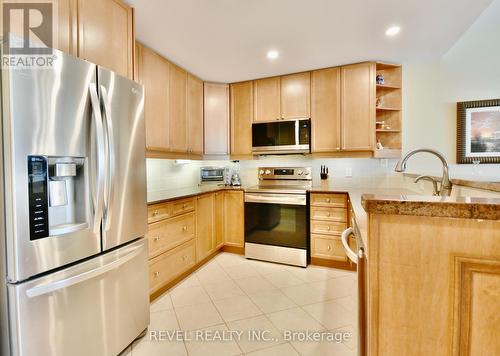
(73, 210)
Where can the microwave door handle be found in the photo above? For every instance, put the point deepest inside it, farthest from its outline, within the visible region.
(98, 194)
(96, 272)
(110, 176)
(345, 238)
(297, 128)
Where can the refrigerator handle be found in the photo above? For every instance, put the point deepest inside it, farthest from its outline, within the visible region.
(67, 282)
(111, 168)
(101, 155)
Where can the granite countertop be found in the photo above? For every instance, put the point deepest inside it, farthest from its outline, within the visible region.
(161, 196)
(424, 205)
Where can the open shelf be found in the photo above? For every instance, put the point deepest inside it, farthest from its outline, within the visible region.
(387, 87)
(389, 130)
(381, 108)
(384, 66)
(387, 153)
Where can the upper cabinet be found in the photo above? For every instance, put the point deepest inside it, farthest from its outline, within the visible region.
(241, 118)
(358, 107)
(296, 96)
(173, 107)
(267, 99)
(154, 74)
(105, 34)
(325, 110)
(195, 114)
(216, 116)
(178, 109)
(100, 31)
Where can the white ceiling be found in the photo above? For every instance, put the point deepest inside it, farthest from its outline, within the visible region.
(227, 40)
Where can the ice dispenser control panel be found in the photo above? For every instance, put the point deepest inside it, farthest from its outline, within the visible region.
(37, 190)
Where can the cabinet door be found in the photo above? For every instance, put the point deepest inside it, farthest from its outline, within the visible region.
(358, 107)
(241, 118)
(195, 114)
(106, 35)
(219, 219)
(155, 75)
(178, 109)
(267, 99)
(296, 96)
(234, 218)
(205, 219)
(216, 115)
(325, 110)
(67, 26)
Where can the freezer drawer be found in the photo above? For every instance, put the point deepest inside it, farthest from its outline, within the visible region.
(94, 308)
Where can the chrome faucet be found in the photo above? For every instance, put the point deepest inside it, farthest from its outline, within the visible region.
(445, 186)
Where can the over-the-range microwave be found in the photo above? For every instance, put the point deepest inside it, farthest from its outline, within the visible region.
(281, 136)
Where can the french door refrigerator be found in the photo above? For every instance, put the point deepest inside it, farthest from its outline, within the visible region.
(73, 210)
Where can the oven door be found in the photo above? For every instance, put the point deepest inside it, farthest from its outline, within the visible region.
(290, 136)
(276, 219)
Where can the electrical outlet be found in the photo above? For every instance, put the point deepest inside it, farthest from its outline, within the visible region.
(384, 163)
(348, 172)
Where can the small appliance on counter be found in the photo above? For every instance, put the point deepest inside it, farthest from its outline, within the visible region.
(235, 180)
(215, 175)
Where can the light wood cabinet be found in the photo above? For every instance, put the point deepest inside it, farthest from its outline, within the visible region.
(267, 99)
(241, 118)
(195, 114)
(325, 110)
(178, 108)
(155, 76)
(219, 219)
(169, 233)
(234, 218)
(216, 115)
(296, 96)
(105, 34)
(358, 107)
(67, 29)
(205, 227)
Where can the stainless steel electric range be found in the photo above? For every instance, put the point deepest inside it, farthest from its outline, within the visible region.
(277, 216)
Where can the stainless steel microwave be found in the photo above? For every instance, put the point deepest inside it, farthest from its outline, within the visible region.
(280, 137)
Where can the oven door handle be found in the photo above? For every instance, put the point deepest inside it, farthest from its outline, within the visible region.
(288, 199)
(345, 242)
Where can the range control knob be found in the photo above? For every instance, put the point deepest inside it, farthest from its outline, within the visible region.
(300, 173)
(261, 171)
(267, 171)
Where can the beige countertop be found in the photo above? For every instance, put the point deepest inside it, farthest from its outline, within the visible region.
(161, 196)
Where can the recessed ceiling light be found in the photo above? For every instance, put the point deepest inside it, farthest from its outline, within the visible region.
(392, 31)
(273, 54)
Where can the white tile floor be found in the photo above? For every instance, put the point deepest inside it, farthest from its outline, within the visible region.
(230, 293)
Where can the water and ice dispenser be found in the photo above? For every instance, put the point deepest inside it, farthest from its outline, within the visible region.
(56, 188)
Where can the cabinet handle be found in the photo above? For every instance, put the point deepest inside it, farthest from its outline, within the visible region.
(328, 214)
(184, 257)
(329, 248)
(184, 228)
(183, 206)
(156, 274)
(156, 238)
(155, 212)
(328, 228)
(328, 200)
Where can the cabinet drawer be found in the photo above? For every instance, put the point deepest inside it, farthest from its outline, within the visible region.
(327, 227)
(328, 247)
(167, 266)
(182, 206)
(159, 212)
(169, 233)
(329, 214)
(329, 200)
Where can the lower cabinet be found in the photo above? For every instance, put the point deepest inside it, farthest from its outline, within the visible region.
(205, 226)
(329, 218)
(234, 226)
(184, 232)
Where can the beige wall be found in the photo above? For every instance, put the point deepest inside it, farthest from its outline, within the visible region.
(470, 70)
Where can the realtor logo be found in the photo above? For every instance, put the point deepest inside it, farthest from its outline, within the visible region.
(28, 33)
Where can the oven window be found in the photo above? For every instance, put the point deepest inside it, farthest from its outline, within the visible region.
(276, 224)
